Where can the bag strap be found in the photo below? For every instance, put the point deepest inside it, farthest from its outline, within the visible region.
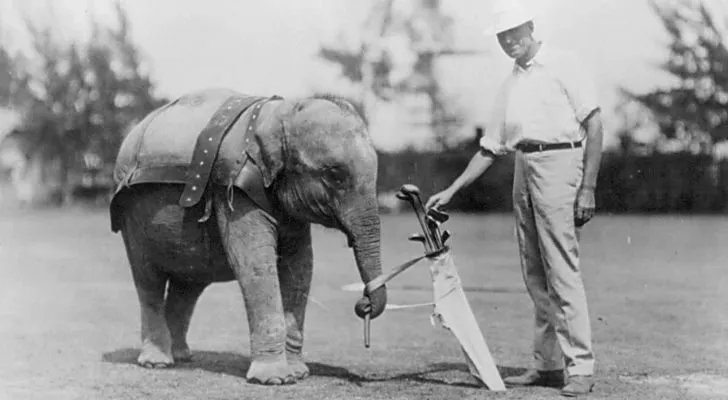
(381, 280)
(208, 144)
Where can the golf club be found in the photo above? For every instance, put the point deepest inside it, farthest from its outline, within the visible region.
(411, 194)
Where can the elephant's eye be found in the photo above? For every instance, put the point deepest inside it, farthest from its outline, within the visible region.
(336, 174)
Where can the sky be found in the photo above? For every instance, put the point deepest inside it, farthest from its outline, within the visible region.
(269, 47)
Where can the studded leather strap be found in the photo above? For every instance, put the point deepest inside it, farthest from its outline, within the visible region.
(208, 144)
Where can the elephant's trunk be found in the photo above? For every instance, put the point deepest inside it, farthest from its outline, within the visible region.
(365, 238)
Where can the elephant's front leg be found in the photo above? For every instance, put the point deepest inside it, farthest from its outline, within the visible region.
(250, 238)
(295, 269)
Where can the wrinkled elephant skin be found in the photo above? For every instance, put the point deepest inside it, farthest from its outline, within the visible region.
(324, 165)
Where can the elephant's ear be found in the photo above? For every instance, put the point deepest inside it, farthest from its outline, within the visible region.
(266, 148)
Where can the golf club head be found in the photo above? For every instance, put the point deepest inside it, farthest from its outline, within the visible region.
(432, 222)
(410, 189)
(417, 237)
(411, 193)
(438, 215)
(445, 236)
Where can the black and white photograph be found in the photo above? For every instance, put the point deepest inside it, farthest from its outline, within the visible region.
(363, 199)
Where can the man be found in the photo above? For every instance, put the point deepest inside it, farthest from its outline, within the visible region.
(547, 112)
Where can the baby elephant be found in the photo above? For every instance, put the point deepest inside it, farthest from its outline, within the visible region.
(281, 165)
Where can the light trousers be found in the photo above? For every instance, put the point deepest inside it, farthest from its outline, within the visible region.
(544, 193)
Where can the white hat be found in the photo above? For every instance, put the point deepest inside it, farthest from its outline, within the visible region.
(507, 14)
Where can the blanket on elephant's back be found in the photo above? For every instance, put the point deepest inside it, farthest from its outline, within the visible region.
(161, 148)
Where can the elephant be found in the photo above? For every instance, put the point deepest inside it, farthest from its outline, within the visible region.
(318, 165)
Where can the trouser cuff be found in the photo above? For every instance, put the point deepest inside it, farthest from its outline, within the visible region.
(549, 365)
(582, 370)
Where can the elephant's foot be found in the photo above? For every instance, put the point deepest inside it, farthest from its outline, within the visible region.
(298, 367)
(153, 357)
(270, 372)
(181, 354)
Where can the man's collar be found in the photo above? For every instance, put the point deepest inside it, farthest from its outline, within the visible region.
(540, 58)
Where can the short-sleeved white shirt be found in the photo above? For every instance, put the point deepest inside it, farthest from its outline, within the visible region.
(545, 103)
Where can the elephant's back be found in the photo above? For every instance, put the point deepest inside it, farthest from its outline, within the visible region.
(167, 136)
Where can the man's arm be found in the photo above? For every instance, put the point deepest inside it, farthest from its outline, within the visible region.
(585, 206)
(481, 161)
(593, 151)
(582, 93)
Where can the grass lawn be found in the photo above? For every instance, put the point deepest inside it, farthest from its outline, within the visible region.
(656, 286)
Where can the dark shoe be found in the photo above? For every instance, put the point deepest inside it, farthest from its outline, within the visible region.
(537, 378)
(578, 385)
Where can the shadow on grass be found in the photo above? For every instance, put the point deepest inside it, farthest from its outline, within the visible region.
(441, 374)
(212, 361)
(234, 364)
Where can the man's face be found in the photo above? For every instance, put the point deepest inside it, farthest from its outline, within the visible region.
(515, 42)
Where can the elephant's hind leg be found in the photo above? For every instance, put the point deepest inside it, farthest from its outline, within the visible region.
(181, 300)
(150, 283)
(156, 340)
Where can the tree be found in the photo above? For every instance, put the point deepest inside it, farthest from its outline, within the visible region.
(7, 72)
(87, 94)
(13, 83)
(397, 56)
(696, 111)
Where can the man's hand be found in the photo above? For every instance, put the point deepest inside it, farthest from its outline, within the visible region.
(584, 207)
(440, 199)
(480, 162)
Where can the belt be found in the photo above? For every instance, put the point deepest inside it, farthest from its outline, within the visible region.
(534, 147)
